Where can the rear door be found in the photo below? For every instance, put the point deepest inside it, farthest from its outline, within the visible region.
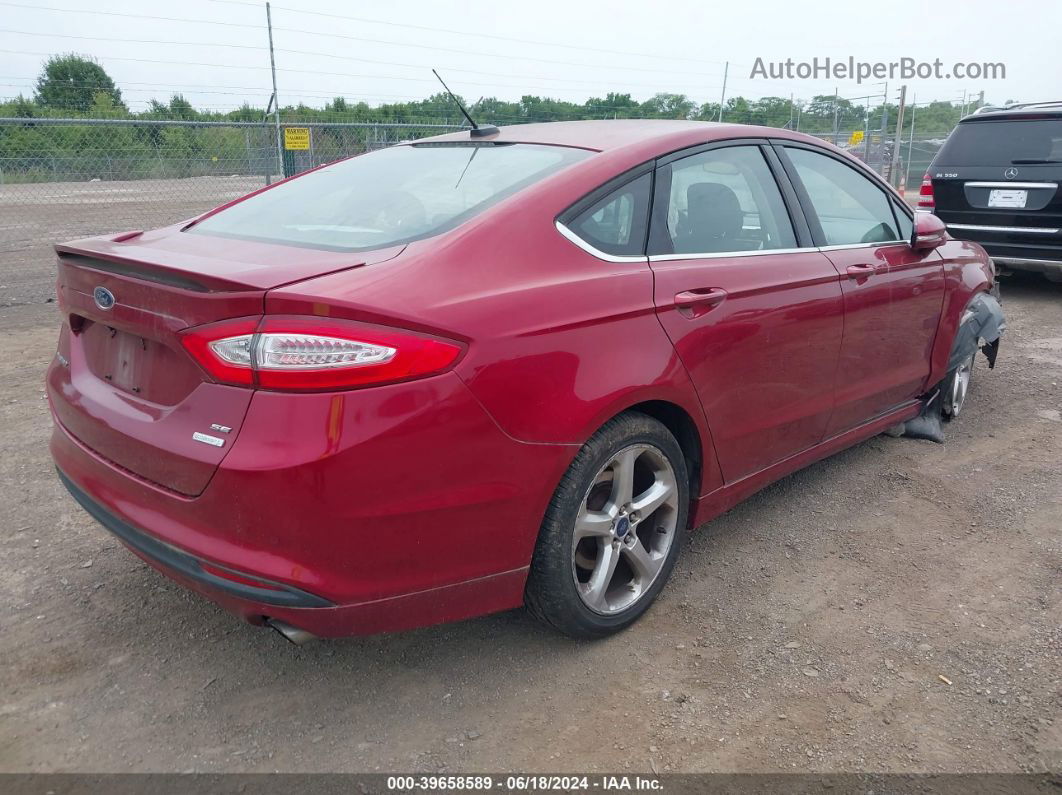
(754, 312)
(996, 181)
(892, 294)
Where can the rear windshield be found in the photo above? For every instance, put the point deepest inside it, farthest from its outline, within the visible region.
(390, 196)
(998, 143)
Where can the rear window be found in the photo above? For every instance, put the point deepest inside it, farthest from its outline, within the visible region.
(389, 197)
(996, 143)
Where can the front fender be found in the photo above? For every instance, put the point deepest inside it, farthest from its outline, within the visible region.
(968, 273)
(981, 325)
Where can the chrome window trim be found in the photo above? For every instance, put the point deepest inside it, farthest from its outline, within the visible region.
(1018, 185)
(574, 238)
(759, 252)
(843, 246)
(1038, 230)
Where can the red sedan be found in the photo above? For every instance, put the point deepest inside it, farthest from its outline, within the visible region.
(469, 373)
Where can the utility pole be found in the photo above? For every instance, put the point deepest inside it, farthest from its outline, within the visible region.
(276, 97)
(898, 140)
(722, 98)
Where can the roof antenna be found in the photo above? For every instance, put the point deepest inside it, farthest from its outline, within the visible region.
(477, 131)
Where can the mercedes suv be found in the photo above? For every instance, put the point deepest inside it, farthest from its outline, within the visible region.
(995, 181)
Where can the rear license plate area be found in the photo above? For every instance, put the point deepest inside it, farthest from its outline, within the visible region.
(115, 356)
(1009, 199)
(137, 365)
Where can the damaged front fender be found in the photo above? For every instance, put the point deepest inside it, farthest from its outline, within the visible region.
(982, 325)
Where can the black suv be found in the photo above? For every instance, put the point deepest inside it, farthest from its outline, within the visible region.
(996, 181)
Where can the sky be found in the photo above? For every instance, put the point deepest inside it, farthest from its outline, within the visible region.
(215, 52)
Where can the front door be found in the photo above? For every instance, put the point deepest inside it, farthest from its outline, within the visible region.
(754, 312)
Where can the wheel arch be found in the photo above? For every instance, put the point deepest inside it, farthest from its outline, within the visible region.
(980, 315)
(967, 274)
(691, 440)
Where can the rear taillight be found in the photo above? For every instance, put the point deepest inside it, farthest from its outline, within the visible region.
(925, 194)
(290, 352)
(203, 342)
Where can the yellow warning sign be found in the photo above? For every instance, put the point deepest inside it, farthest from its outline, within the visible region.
(856, 138)
(297, 138)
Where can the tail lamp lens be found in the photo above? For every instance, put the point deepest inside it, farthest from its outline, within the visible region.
(313, 351)
(288, 352)
(925, 194)
(234, 350)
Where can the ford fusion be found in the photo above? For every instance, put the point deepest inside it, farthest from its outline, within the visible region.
(475, 372)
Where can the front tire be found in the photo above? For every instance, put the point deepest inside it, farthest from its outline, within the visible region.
(612, 530)
(956, 388)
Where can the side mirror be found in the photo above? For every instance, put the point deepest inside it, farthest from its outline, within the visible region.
(929, 232)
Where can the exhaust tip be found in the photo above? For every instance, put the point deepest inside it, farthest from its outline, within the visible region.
(297, 636)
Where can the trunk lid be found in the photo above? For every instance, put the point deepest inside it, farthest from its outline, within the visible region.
(122, 383)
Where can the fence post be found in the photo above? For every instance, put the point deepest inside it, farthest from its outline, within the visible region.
(836, 108)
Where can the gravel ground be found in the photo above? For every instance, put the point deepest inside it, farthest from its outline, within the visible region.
(33, 216)
(894, 608)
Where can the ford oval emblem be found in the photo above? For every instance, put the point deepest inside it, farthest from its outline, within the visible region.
(103, 297)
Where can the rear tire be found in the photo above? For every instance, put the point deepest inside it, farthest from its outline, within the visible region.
(612, 530)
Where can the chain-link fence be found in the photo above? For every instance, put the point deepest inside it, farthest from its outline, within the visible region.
(157, 172)
(62, 179)
(876, 150)
(149, 173)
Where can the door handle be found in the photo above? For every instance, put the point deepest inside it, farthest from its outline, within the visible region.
(705, 297)
(860, 271)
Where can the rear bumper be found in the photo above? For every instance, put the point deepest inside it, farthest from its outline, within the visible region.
(170, 559)
(1027, 264)
(1039, 255)
(346, 514)
(306, 611)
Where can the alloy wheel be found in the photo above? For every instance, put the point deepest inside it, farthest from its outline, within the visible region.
(624, 529)
(960, 387)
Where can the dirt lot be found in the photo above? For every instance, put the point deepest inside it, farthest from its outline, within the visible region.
(807, 629)
(811, 628)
